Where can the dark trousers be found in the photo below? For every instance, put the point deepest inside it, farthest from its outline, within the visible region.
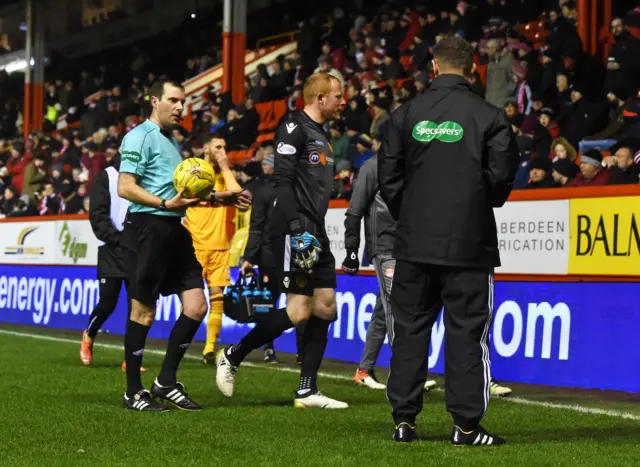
(467, 296)
(268, 278)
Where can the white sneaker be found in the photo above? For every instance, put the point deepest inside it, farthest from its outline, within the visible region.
(430, 384)
(320, 401)
(225, 374)
(368, 379)
(498, 390)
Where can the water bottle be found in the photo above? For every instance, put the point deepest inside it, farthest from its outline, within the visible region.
(256, 291)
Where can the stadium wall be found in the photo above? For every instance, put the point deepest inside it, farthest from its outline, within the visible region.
(564, 313)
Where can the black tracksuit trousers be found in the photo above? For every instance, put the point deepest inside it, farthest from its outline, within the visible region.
(467, 295)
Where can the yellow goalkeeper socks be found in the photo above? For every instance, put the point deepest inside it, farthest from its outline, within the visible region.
(214, 323)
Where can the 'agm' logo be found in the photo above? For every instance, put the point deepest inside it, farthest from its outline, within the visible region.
(446, 132)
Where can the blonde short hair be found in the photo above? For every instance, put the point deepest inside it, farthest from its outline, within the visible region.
(317, 83)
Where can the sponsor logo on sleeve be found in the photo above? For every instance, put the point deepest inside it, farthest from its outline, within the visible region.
(284, 148)
(131, 156)
(316, 158)
(291, 127)
(445, 132)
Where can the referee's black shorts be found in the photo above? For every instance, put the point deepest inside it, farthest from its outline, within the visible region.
(160, 258)
(299, 281)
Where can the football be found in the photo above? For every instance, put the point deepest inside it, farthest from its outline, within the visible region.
(196, 176)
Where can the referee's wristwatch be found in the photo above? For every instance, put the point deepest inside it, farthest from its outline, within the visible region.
(163, 205)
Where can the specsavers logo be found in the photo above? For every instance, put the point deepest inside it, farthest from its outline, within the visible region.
(131, 156)
(70, 246)
(24, 250)
(446, 132)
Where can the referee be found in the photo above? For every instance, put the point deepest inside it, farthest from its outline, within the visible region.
(161, 259)
(448, 159)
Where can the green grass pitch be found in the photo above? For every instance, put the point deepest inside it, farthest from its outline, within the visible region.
(54, 411)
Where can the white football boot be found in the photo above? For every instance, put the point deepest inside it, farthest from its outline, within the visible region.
(225, 374)
(318, 400)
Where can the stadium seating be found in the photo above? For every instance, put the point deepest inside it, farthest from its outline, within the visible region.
(270, 114)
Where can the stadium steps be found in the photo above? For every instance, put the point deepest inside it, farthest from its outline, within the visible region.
(197, 87)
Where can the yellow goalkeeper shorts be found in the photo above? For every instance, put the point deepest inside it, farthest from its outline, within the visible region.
(215, 267)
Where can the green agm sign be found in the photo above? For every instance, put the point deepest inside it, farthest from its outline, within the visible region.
(70, 246)
(446, 132)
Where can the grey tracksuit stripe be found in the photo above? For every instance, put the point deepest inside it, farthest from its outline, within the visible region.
(382, 319)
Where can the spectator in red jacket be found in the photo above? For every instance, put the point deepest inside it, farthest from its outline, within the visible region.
(591, 171)
(93, 160)
(16, 165)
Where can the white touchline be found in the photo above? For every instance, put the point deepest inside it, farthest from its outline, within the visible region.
(575, 408)
(515, 400)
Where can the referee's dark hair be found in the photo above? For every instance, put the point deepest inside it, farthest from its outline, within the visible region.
(454, 53)
(157, 88)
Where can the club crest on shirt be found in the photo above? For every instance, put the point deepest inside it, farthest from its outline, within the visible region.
(284, 148)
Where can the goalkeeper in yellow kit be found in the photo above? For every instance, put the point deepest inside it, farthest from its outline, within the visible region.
(208, 227)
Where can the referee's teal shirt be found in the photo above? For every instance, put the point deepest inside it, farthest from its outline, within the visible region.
(153, 156)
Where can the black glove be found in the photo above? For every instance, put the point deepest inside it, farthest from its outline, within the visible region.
(351, 263)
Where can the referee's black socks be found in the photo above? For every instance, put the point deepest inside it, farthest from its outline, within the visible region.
(272, 327)
(134, 341)
(179, 341)
(315, 343)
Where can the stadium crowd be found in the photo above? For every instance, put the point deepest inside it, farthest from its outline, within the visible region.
(577, 119)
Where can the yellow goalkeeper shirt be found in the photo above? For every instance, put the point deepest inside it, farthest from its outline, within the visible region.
(208, 225)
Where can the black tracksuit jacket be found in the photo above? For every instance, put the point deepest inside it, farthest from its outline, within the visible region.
(258, 249)
(111, 255)
(448, 159)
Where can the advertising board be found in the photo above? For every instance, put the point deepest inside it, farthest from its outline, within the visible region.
(533, 237)
(559, 334)
(605, 236)
(28, 243)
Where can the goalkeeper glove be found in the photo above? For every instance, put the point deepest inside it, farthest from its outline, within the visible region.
(351, 263)
(306, 249)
